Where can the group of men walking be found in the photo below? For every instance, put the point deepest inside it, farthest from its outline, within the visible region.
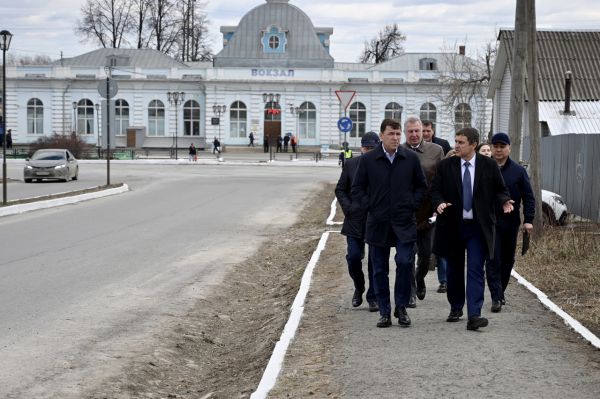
(409, 196)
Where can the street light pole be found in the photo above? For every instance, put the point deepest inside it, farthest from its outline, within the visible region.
(175, 98)
(219, 110)
(97, 106)
(74, 117)
(5, 37)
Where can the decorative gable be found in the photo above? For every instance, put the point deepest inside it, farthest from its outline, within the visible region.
(274, 40)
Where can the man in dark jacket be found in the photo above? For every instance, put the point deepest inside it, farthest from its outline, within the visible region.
(464, 193)
(429, 136)
(507, 226)
(390, 184)
(354, 227)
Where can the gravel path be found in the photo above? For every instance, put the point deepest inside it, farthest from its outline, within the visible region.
(526, 351)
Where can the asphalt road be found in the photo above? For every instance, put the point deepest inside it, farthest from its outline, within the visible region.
(81, 286)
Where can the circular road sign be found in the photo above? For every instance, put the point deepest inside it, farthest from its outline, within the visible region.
(345, 124)
(113, 88)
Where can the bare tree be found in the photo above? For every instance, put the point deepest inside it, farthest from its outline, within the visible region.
(38, 59)
(164, 25)
(466, 80)
(385, 46)
(141, 12)
(105, 22)
(198, 46)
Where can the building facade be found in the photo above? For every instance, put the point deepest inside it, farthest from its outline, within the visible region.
(274, 76)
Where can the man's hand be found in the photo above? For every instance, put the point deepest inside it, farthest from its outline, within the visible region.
(527, 227)
(441, 207)
(507, 207)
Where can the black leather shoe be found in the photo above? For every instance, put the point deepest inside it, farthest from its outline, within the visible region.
(384, 321)
(496, 306)
(357, 298)
(421, 289)
(476, 322)
(373, 306)
(412, 302)
(403, 319)
(442, 288)
(454, 316)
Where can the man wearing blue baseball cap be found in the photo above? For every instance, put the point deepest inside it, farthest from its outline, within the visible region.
(507, 224)
(354, 227)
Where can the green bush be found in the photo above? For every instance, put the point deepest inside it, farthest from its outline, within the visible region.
(71, 142)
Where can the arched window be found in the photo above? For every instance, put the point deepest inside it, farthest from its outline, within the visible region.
(121, 117)
(462, 116)
(85, 116)
(307, 121)
(428, 113)
(156, 118)
(272, 111)
(35, 116)
(393, 111)
(238, 119)
(191, 118)
(358, 114)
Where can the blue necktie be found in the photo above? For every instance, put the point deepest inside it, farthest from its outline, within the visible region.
(466, 185)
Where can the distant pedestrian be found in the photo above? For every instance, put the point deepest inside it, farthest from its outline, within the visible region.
(294, 143)
(192, 153)
(216, 146)
(286, 141)
(484, 149)
(9, 139)
(266, 143)
(279, 143)
(251, 137)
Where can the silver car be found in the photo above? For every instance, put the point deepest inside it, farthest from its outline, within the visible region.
(54, 164)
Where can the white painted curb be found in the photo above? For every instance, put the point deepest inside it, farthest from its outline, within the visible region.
(32, 206)
(330, 221)
(570, 321)
(269, 377)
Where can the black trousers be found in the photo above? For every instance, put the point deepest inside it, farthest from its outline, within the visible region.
(423, 252)
(498, 269)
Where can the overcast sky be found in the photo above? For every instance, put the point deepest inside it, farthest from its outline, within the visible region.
(46, 26)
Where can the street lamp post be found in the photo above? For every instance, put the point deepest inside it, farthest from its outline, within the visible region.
(97, 106)
(296, 112)
(219, 110)
(5, 38)
(176, 98)
(74, 116)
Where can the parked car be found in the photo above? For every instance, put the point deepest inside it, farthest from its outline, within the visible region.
(52, 164)
(554, 209)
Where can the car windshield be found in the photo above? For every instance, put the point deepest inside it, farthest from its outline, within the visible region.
(48, 156)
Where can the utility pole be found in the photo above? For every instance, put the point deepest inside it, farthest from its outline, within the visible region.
(535, 163)
(515, 115)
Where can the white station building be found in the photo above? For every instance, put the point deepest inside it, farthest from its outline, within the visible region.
(274, 76)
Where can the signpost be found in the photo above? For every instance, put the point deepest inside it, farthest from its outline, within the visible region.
(108, 90)
(345, 97)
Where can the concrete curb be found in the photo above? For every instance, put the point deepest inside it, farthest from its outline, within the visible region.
(32, 206)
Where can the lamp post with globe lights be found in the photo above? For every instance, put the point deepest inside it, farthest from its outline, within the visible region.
(5, 38)
(175, 98)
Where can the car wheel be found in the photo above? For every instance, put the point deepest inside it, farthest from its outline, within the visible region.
(76, 174)
(28, 180)
(548, 218)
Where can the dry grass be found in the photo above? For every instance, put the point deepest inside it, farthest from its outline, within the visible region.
(565, 265)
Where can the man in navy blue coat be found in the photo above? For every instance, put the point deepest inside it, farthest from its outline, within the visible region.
(465, 192)
(389, 184)
(515, 176)
(354, 226)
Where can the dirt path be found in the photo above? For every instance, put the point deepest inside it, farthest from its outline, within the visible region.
(525, 352)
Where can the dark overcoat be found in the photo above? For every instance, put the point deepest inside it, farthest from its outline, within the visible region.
(488, 190)
(354, 220)
(390, 193)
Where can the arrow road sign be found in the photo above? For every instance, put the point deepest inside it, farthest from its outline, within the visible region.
(344, 124)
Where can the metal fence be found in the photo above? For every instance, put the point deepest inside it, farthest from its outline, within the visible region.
(571, 167)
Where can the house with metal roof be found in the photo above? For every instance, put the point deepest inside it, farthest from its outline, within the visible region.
(568, 81)
(274, 76)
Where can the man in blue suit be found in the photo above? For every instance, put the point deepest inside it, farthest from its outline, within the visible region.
(464, 193)
(390, 184)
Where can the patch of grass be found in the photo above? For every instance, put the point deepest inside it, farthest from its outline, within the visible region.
(565, 264)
